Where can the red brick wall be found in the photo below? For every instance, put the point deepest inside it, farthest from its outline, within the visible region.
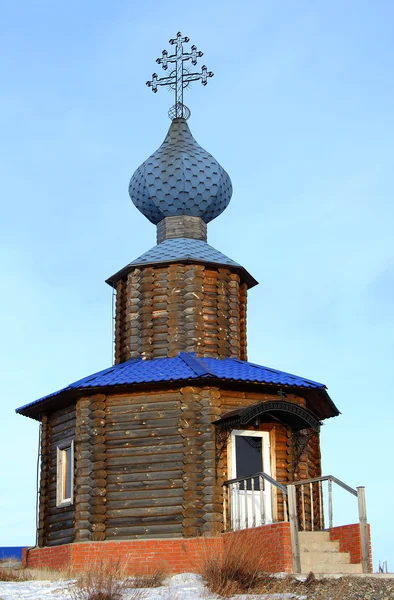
(273, 543)
(55, 557)
(350, 541)
(180, 555)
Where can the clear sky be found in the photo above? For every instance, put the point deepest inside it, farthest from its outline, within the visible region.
(300, 113)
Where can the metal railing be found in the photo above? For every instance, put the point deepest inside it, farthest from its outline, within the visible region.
(248, 502)
(310, 494)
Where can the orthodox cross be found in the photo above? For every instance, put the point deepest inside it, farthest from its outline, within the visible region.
(180, 77)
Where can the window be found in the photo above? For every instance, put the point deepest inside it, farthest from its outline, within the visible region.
(65, 473)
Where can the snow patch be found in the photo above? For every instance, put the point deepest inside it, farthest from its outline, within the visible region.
(186, 586)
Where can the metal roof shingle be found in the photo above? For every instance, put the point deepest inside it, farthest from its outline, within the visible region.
(184, 248)
(185, 366)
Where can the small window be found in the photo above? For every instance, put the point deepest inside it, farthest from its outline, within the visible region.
(65, 474)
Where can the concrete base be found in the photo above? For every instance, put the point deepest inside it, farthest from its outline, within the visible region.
(335, 551)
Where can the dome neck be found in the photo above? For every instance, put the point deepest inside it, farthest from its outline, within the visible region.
(181, 226)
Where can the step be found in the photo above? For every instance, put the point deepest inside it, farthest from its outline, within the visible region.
(306, 546)
(335, 568)
(314, 536)
(321, 555)
(321, 558)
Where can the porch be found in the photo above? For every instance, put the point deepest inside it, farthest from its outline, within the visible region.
(258, 500)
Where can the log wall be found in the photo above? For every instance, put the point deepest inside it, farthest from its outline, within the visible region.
(56, 524)
(146, 464)
(161, 311)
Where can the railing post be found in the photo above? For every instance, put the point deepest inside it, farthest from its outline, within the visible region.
(224, 508)
(330, 510)
(364, 538)
(295, 547)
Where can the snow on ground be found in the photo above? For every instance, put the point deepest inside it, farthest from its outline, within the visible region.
(186, 586)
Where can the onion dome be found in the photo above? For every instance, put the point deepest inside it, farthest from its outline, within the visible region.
(180, 178)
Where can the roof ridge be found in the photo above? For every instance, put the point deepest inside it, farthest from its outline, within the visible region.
(196, 364)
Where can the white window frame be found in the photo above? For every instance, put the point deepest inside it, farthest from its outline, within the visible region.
(61, 500)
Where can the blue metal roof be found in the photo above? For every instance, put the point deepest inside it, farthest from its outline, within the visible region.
(181, 249)
(185, 366)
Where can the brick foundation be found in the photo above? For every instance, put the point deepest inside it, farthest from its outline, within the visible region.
(350, 541)
(180, 555)
(57, 557)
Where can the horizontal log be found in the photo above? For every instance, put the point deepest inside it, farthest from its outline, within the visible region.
(84, 484)
(149, 460)
(59, 438)
(98, 482)
(149, 403)
(166, 395)
(60, 535)
(97, 458)
(142, 477)
(128, 450)
(161, 521)
(143, 513)
(60, 516)
(65, 418)
(63, 428)
(96, 447)
(61, 411)
(145, 443)
(98, 501)
(98, 527)
(145, 487)
(97, 519)
(53, 509)
(169, 530)
(99, 510)
(132, 412)
(120, 433)
(132, 503)
(51, 527)
(57, 542)
(82, 535)
(142, 422)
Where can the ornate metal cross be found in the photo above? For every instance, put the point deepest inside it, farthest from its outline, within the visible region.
(179, 78)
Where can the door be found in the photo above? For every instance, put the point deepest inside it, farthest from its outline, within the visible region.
(251, 503)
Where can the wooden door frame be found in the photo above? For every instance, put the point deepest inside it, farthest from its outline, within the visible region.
(266, 458)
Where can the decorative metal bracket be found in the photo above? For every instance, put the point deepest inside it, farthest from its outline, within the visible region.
(300, 441)
(221, 440)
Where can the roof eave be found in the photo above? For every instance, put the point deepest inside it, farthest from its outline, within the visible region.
(242, 272)
(35, 410)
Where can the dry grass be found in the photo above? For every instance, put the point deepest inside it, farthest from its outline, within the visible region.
(150, 578)
(239, 569)
(105, 582)
(109, 581)
(234, 570)
(7, 574)
(23, 574)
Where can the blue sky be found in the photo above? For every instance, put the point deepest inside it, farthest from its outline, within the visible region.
(300, 113)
